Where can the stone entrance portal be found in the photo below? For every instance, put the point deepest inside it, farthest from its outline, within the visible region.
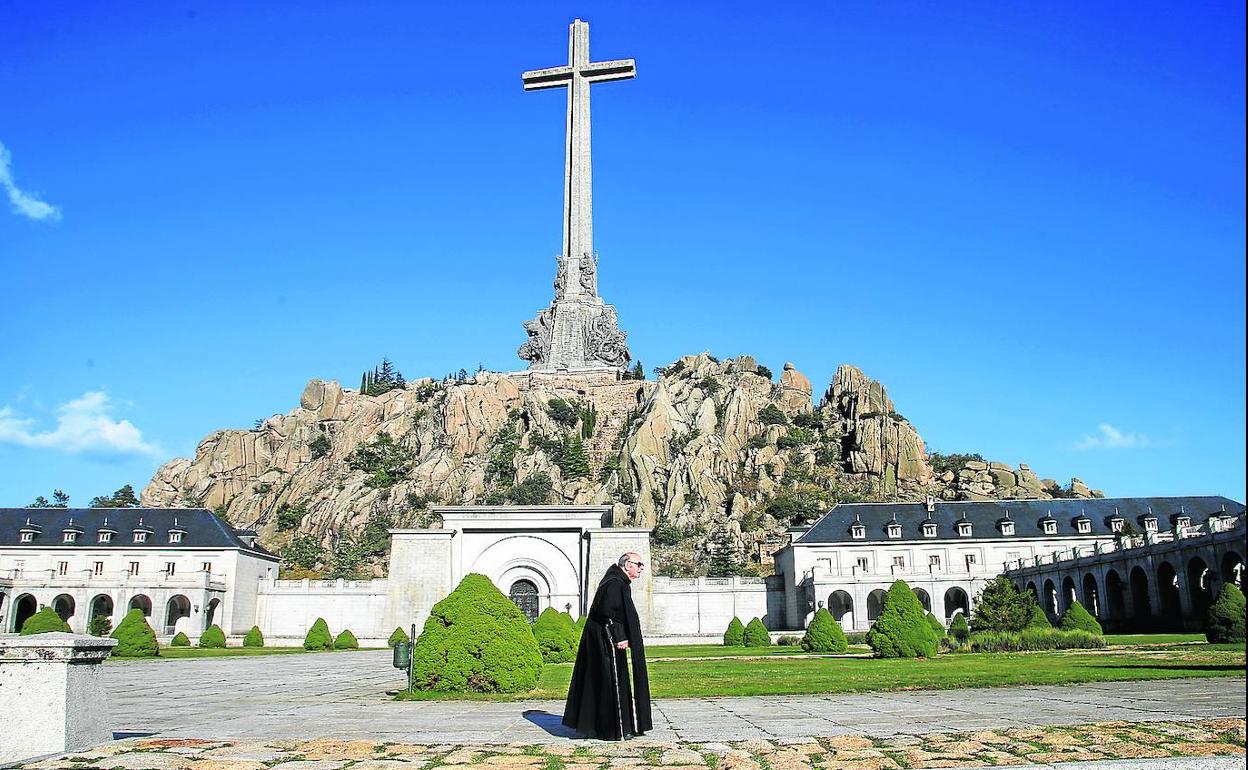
(524, 594)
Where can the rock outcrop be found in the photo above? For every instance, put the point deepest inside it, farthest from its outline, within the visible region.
(711, 447)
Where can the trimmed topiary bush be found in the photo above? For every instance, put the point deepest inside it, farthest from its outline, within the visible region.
(1076, 618)
(959, 629)
(254, 638)
(212, 638)
(135, 638)
(824, 634)
(556, 636)
(399, 635)
(476, 640)
(1226, 616)
(318, 636)
(756, 634)
(901, 630)
(734, 636)
(180, 640)
(937, 626)
(1039, 618)
(44, 621)
(346, 641)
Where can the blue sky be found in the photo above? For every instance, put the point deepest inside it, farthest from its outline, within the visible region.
(1027, 220)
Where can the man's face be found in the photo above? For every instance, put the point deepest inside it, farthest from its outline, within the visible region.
(633, 567)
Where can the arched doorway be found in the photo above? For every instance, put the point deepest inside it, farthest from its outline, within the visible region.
(924, 599)
(841, 605)
(1141, 607)
(524, 594)
(1199, 588)
(875, 604)
(1035, 592)
(102, 605)
(1115, 602)
(1050, 599)
(1168, 591)
(956, 601)
(141, 602)
(1091, 597)
(64, 606)
(210, 612)
(1069, 596)
(178, 608)
(23, 608)
(1233, 569)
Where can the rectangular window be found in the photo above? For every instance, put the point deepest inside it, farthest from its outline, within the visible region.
(899, 561)
(862, 563)
(140, 537)
(970, 561)
(99, 568)
(175, 537)
(169, 569)
(28, 537)
(134, 568)
(933, 561)
(62, 568)
(106, 537)
(207, 566)
(70, 537)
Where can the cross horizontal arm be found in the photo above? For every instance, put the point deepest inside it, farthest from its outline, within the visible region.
(602, 71)
(551, 77)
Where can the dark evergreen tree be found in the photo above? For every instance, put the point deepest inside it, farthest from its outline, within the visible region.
(61, 500)
(639, 373)
(724, 561)
(1001, 607)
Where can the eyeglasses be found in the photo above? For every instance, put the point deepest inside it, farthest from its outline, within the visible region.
(638, 563)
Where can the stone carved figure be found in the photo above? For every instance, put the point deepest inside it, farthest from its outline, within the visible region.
(589, 274)
(561, 278)
(536, 349)
(604, 342)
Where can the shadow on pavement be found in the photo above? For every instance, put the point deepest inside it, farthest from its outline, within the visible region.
(551, 723)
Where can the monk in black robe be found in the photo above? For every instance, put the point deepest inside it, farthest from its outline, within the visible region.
(601, 702)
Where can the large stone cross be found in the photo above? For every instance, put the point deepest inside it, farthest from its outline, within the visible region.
(578, 218)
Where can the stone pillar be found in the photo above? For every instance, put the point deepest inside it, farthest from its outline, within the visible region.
(420, 576)
(605, 548)
(55, 702)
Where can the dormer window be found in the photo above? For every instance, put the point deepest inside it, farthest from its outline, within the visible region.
(929, 529)
(1150, 523)
(964, 528)
(69, 537)
(140, 536)
(1183, 521)
(1083, 525)
(894, 530)
(1048, 525)
(28, 536)
(858, 531)
(175, 536)
(1007, 527)
(106, 536)
(1116, 524)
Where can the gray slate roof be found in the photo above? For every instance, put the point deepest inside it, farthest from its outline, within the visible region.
(835, 525)
(201, 528)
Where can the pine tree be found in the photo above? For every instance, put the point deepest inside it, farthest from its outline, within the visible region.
(1001, 607)
(572, 459)
(638, 372)
(61, 500)
(724, 561)
(364, 384)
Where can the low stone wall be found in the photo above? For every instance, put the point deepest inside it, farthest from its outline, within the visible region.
(286, 609)
(693, 607)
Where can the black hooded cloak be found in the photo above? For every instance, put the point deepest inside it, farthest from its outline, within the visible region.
(601, 702)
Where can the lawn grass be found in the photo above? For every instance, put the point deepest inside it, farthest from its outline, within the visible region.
(1154, 639)
(177, 653)
(718, 651)
(781, 675)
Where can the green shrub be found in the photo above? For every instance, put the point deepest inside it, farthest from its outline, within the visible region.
(756, 634)
(936, 625)
(788, 640)
(556, 636)
(135, 638)
(399, 635)
(1226, 616)
(824, 634)
(734, 636)
(180, 640)
(856, 637)
(1076, 618)
(959, 629)
(213, 637)
(318, 636)
(1001, 607)
(1039, 618)
(771, 415)
(901, 630)
(254, 638)
(476, 640)
(580, 622)
(100, 625)
(1033, 639)
(346, 641)
(44, 621)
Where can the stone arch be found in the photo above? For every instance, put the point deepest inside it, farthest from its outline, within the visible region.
(141, 602)
(102, 604)
(1141, 606)
(210, 612)
(178, 608)
(525, 595)
(1233, 569)
(1035, 592)
(924, 599)
(534, 558)
(956, 601)
(1069, 594)
(1050, 599)
(1091, 596)
(64, 606)
(1168, 593)
(25, 606)
(841, 605)
(875, 604)
(1115, 601)
(1199, 587)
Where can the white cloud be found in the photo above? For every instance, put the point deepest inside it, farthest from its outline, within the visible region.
(23, 203)
(1109, 437)
(83, 426)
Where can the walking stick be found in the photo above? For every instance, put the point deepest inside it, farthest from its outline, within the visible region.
(615, 679)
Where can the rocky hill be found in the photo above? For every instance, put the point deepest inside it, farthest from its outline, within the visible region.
(715, 455)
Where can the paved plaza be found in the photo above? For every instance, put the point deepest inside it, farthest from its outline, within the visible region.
(345, 697)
